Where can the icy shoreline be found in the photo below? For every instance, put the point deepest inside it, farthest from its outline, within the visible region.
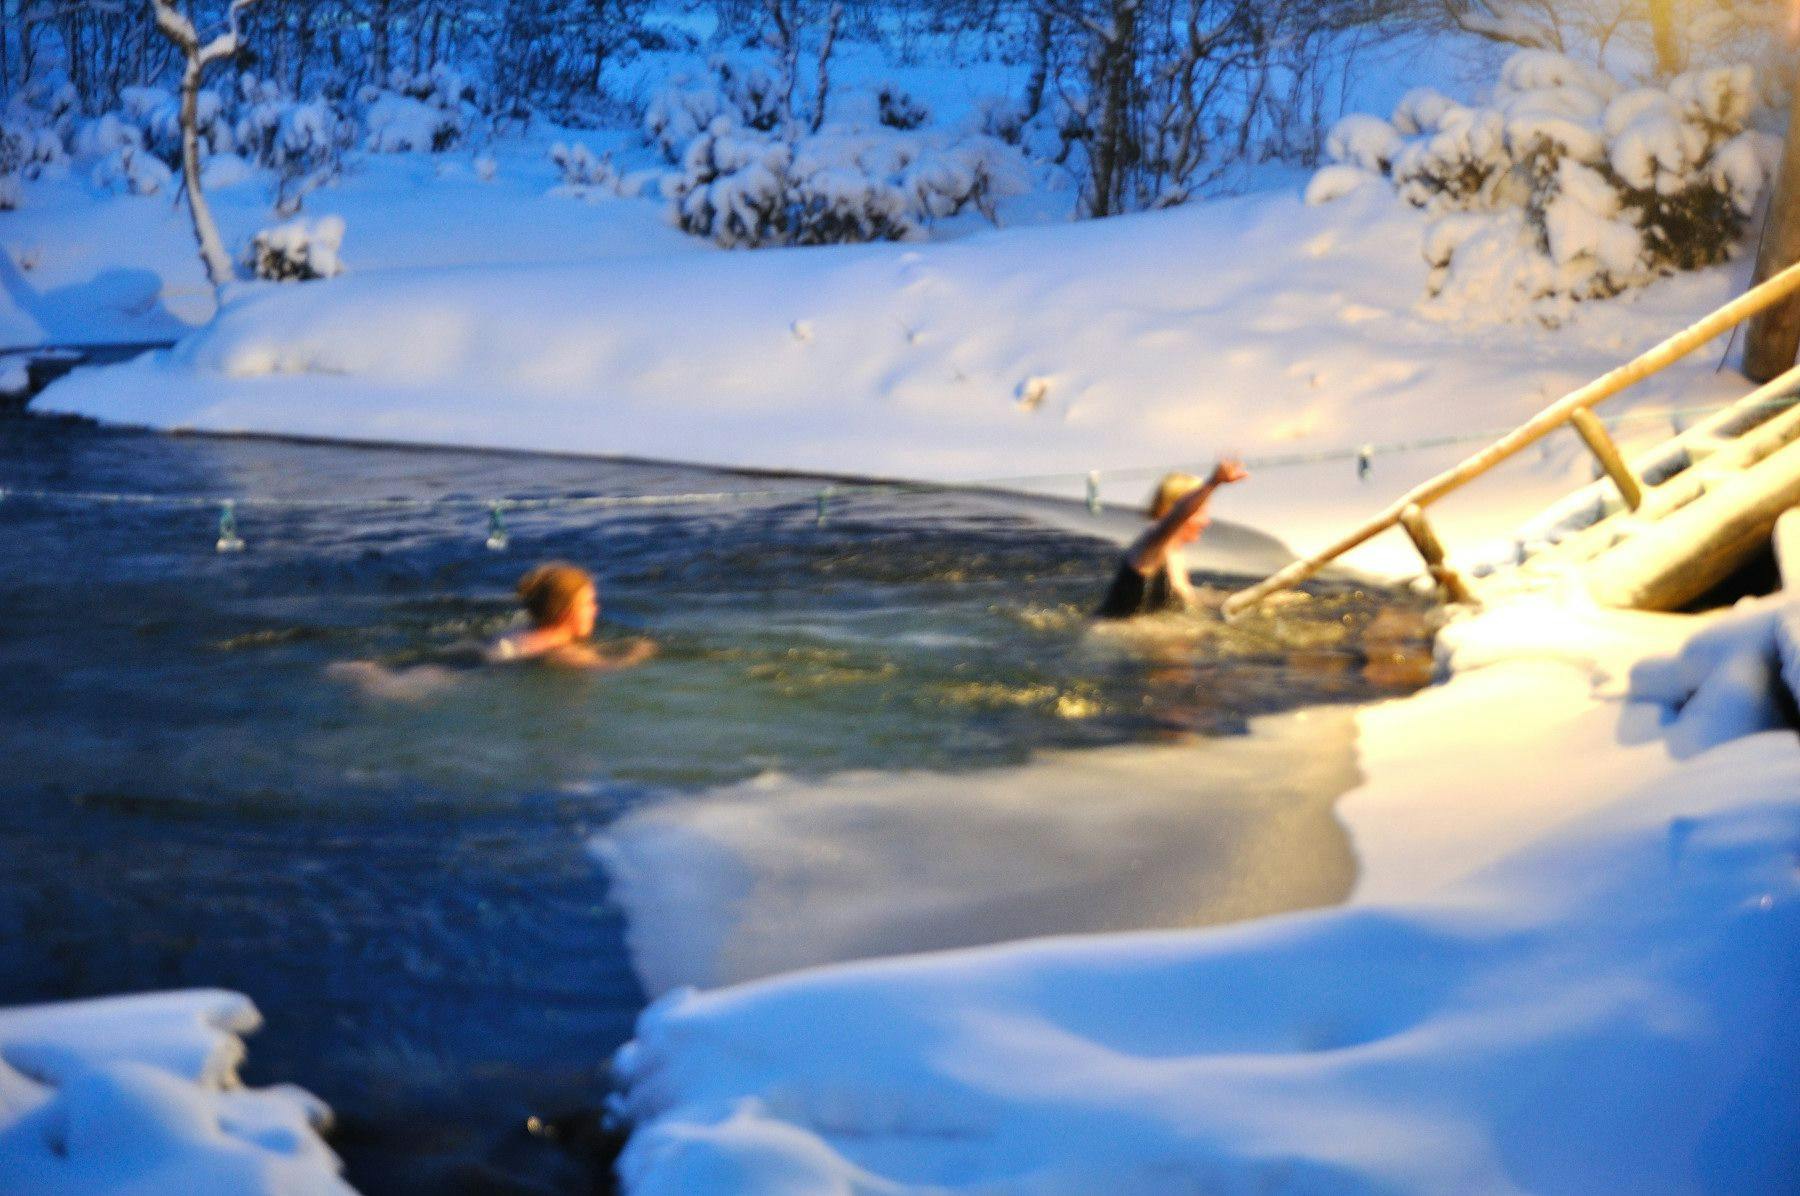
(1562, 971)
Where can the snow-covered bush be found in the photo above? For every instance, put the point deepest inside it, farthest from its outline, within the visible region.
(11, 193)
(897, 109)
(133, 170)
(400, 124)
(1565, 185)
(157, 114)
(582, 171)
(106, 136)
(733, 187)
(427, 112)
(741, 187)
(1365, 141)
(298, 251)
(28, 148)
(746, 94)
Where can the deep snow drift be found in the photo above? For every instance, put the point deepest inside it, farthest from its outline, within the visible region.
(140, 1094)
(1567, 969)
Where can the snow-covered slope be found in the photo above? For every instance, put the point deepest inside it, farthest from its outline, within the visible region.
(140, 1095)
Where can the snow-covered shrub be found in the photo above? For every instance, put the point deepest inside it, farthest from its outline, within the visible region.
(1365, 141)
(744, 94)
(733, 187)
(742, 187)
(157, 114)
(838, 205)
(298, 251)
(1422, 110)
(1332, 183)
(28, 149)
(428, 112)
(582, 171)
(133, 170)
(11, 192)
(1461, 165)
(971, 173)
(680, 112)
(1000, 117)
(897, 109)
(1566, 185)
(106, 136)
(399, 124)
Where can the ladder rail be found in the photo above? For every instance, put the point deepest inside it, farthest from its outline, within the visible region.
(1650, 362)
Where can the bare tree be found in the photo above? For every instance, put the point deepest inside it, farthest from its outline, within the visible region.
(179, 28)
(831, 31)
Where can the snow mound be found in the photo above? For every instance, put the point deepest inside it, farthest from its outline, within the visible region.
(140, 1094)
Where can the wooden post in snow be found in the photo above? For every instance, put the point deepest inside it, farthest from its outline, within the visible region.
(1775, 335)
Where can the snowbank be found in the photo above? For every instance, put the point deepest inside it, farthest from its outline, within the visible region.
(1126, 345)
(1568, 968)
(140, 1094)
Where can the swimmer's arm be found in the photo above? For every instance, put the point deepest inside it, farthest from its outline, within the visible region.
(586, 656)
(1148, 553)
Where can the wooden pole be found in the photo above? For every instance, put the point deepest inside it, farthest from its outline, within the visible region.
(1774, 336)
(1787, 549)
(1593, 434)
(1757, 299)
(1454, 588)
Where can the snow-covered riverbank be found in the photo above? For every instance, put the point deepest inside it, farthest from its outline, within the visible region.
(1564, 970)
(140, 1094)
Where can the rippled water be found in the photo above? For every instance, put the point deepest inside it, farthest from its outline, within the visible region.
(193, 795)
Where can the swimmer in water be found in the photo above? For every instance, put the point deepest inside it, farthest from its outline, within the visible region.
(1152, 575)
(563, 602)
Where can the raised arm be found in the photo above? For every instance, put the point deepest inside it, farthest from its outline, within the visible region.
(1148, 553)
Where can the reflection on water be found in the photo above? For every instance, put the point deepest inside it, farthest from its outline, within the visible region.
(197, 791)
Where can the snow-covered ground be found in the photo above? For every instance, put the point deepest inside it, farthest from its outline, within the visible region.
(1566, 969)
(140, 1094)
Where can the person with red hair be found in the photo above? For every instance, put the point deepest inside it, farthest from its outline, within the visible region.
(563, 603)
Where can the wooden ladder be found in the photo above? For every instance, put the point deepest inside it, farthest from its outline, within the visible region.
(1660, 530)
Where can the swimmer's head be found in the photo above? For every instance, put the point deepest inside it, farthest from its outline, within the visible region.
(1171, 490)
(560, 594)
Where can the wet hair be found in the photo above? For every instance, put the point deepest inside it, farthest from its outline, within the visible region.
(1171, 490)
(549, 591)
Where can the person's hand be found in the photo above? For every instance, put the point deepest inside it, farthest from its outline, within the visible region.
(636, 651)
(1227, 471)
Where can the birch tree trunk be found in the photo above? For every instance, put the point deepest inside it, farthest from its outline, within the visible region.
(178, 28)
